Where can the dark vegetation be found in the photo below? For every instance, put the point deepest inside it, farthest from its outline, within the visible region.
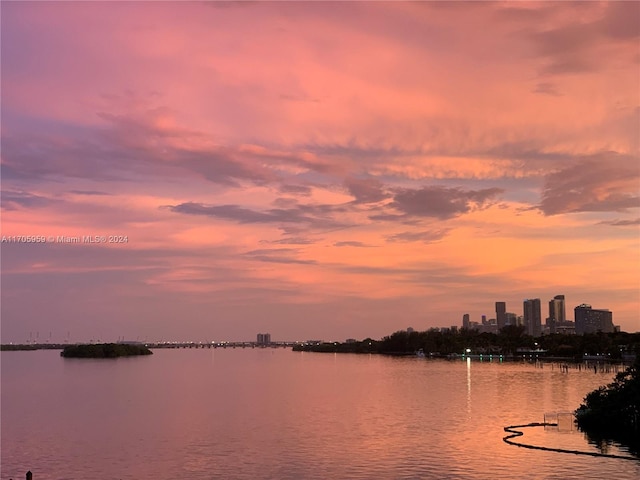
(610, 346)
(612, 412)
(365, 346)
(104, 350)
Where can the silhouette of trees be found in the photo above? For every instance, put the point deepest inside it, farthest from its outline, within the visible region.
(104, 350)
(613, 411)
(506, 343)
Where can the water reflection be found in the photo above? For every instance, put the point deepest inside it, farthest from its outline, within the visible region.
(468, 386)
(608, 442)
(258, 414)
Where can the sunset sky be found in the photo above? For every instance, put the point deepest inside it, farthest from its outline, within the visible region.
(315, 170)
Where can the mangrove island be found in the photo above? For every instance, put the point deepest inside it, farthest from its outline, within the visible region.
(104, 350)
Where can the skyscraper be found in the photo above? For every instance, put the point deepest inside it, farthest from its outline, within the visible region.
(465, 321)
(501, 314)
(532, 317)
(556, 313)
(264, 339)
(590, 320)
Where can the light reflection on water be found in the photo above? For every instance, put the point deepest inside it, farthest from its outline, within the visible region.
(277, 414)
(468, 361)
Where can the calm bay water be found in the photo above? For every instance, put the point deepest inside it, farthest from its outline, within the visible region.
(278, 414)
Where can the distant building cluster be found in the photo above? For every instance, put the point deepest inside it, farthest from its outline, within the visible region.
(586, 319)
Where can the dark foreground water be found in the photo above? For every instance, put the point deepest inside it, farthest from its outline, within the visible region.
(278, 414)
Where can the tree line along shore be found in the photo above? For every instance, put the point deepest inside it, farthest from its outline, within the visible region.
(510, 342)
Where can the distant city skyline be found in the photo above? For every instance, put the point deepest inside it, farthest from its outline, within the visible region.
(537, 322)
(209, 170)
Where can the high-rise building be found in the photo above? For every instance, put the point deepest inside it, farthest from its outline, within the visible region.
(557, 314)
(264, 339)
(532, 317)
(590, 320)
(465, 321)
(501, 314)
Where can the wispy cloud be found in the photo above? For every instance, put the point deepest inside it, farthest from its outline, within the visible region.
(441, 202)
(577, 46)
(366, 190)
(606, 183)
(14, 200)
(279, 255)
(317, 216)
(427, 236)
(547, 88)
(621, 223)
(351, 243)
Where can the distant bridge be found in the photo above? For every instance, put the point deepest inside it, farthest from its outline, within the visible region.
(219, 344)
(60, 346)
